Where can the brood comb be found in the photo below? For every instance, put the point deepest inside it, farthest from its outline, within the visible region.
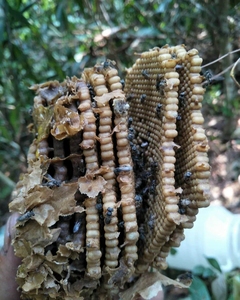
(169, 148)
(112, 180)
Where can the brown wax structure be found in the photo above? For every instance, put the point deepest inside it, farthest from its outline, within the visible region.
(115, 176)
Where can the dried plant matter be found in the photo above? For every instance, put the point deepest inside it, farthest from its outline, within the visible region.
(114, 177)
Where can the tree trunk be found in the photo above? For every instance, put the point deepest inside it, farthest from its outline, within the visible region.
(221, 38)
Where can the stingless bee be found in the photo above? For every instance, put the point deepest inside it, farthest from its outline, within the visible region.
(77, 226)
(131, 134)
(129, 97)
(143, 98)
(50, 181)
(122, 169)
(122, 81)
(187, 176)
(183, 205)
(109, 64)
(151, 222)
(182, 99)
(25, 217)
(145, 74)
(160, 83)
(108, 216)
(178, 68)
(158, 109)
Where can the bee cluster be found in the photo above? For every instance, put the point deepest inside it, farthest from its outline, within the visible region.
(117, 170)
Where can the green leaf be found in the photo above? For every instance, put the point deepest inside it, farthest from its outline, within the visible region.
(5, 191)
(28, 6)
(213, 262)
(16, 16)
(147, 31)
(236, 286)
(173, 251)
(198, 290)
(198, 270)
(208, 273)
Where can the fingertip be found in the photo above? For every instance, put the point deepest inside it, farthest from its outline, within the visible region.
(9, 231)
(9, 263)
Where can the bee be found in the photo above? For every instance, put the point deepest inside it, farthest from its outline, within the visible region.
(77, 226)
(152, 188)
(187, 176)
(145, 74)
(109, 64)
(25, 217)
(144, 145)
(51, 182)
(129, 97)
(131, 134)
(145, 191)
(134, 150)
(122, 81)
(178, 68)
(65, 234)
(179, 118)
(184, 202)
(141, 231)
(160, 83)
(121, 224)
(81, 166)
(121, 108)
(151, 222)
(208, 78)
(147, 174)
(79, 230)
(183, 205)
(108, 217)
(154, 167)
(182, 99)
(143, 98)
(30, 111)
(158, 109)
(91, 91)
(122, 169)
(138, 200)
(185, 278)
(130, 120)
(109, 211)
(138, 182)
(182, 210)
(99, 207)
(94, 105)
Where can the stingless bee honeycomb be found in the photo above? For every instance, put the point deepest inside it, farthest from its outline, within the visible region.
(169, 148)
(115, 175)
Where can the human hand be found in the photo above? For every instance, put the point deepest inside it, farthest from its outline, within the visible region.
(9, 264)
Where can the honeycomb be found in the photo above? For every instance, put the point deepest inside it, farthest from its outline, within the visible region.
(169, 148)
(115, 175)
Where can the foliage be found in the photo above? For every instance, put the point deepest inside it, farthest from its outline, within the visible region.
(203, 278)
(198, 290)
